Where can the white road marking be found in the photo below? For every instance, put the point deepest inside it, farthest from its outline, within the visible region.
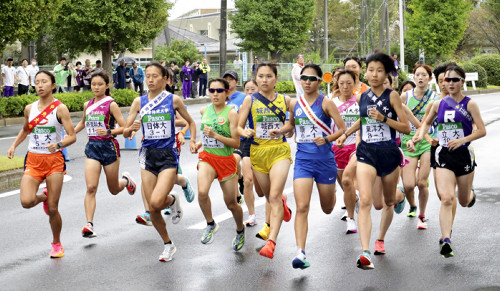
(8, 137)
(492, 109)
(67, 178)
(227, 215)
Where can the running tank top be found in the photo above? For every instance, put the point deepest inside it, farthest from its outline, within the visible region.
(158, 126)
(350, 115)
(363, 89)
(306, 131)
(262, 119)
(454, 121)
(100, 117)
(373, 131)
(219, 122)
(412, 102)
(47, 131)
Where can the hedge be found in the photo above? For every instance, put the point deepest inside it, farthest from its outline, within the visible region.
(285, 87)
(471, 67)
(14, 106)
(491, 63)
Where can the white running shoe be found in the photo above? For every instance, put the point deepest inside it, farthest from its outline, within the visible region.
(176, 209)
(168, 252)
(251, 221)
(351, 226)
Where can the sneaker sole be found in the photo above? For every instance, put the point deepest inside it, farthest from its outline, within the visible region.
(379, 253)
(57, 256)
(88, 235)
(446, 251)
(250, 224)
(364, 263)
(142, 222)
(351, 231)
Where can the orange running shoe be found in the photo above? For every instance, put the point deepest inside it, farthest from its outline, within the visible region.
(268, 249)
(287, 215)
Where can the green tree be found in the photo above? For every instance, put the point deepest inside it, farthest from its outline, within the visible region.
(274, 26)
(111, 26)
(437, 26)
(178, 51)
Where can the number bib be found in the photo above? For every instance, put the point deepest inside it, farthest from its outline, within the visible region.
(42, 136)
(157, 126)
(305, 130)
(419, 117)
(349, 121)
(210, 142)
(93, 122)
(266, 123)
(449, 131)
(374, 131)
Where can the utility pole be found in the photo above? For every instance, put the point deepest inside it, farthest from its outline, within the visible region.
(363, 28)
(387, 35)
(325, 49)
(222, 37)
(401, 37)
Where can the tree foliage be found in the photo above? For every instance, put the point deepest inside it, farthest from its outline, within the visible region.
(178, 51)
(485, 24)
(437, 26)
(273, 26)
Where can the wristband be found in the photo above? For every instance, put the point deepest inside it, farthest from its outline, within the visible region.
(59, 145)
(385, 119)
(183, 131)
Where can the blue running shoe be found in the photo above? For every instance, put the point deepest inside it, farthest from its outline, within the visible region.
(446, 249)
(299, 262)
(188, 191)
(167, 211)
(365, 261)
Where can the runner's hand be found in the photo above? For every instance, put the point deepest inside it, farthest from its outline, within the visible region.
(289, 134)
(193, 147)
(375, 114)
(341, 140)
(101, 131)
(319, 140)
(136, 125)
(249, 133)
(275, 133)
(10, 152)
(416, 139)
(410, 146)
(208, 131)
(132, 135)
(52, 147)
(434, 142)
(455, 144)
(180, 138)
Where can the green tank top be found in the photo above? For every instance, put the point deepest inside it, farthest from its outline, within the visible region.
(412, 102)
(219, 122)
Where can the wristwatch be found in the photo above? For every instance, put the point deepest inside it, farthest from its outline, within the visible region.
(109, 131)
(59, 145)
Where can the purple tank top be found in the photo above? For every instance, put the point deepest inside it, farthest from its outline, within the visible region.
(100, 117)
(454, 121)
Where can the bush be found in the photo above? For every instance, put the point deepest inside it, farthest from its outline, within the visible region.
(124, 97)
(471, 67)
(14, 106)
(491, 63)
(285, 87)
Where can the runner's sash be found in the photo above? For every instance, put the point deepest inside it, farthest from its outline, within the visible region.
(34, 122)
(312, 117)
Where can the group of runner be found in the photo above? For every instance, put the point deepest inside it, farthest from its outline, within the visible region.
(351, 137)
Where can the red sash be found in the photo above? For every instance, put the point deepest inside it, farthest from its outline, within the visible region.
(33, 123)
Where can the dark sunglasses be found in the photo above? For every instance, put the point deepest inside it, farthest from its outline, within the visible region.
(219, 90)
(310, 78)
(453, 79)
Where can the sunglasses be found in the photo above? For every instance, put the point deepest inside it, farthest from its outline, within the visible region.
(453, 79)
(219, 90)
(310, 78)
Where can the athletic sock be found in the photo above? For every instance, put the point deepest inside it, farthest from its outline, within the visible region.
(169, 242)
(212, 223)
(240, 231)
(147, 211)
(91, 223)
(172, 201)
(272, 241)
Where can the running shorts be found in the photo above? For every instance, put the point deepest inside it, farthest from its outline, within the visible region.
(343, 155)
(244, 149)
(224, 166)
(156, 160)
(384, 158)
(460, 161)
(264, 157)
(323, 171)
(420, 148)
(105, 152)
(433, 156)
(40, 166)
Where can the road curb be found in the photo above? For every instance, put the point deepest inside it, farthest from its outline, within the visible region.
(10, 179)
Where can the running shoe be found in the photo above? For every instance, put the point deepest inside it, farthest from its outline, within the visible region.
(239, 240)
(208, 235)
(176, 209)
(351, 226)
(168, 211)
(441, 239)
(241, 185)
(400, 206)
(413, 211)
(264, 232)
(268, 249)
(144, 219)
(45, 203)
(251, 221)
(379, 247)
(344, 217)
(446, 249)
(422, 224)
(239, 199)
(57, 250)
(287, 211)
(131, 186)
(168, 252)
(188, 191)
(299, 262)
(364, 261)
(88, 231)
(473, 201)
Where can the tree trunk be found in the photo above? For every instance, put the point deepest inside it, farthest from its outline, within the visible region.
(107, 64)
(275, 56)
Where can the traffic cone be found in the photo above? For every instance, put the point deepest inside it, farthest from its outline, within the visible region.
(64, 150)
(130, 144)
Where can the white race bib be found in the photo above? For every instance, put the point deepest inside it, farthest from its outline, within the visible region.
(305, 130)
(42, 136)
(210, 142)
(93, 122)
(265, 123)
(157, 126)
(449, 131)
(374, 131)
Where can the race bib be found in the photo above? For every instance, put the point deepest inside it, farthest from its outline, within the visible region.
(374, 131)
(419, 117)
(305, 130)
(93, 122)
(42, 136)
(157, 126)
(349, 121)
(449, 131)
(210, 142)
(265, 123)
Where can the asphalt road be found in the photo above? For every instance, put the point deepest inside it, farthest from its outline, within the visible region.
(124, 255)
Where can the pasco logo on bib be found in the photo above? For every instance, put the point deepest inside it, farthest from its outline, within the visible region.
(221, 120)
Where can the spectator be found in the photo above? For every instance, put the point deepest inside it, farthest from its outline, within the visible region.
(87, 76)
(121, 75)
(79, 77)
(205, 68)
(98, 67)
(175, 72)
(254, 66)
(72, 78)
(33, 69)
(23, 77)
(395, 74)
(237, 63)
(187, 74)
(163, 63)
(297, 67)
(61, 71)
(137, 74)
(128, 78)
(8, 78)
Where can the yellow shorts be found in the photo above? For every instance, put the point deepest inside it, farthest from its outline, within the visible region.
(263, 157)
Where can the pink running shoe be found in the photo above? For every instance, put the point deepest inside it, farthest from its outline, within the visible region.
(422, 224)
(57, 250)
(379, 247)
(45, 207)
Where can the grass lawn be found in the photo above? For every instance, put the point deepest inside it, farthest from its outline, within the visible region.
(11, 164)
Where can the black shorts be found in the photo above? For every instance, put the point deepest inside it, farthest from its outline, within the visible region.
(460, 161)
(244, 149)
(384, 158)
(105, 152)
(156, 160)
(433, 157)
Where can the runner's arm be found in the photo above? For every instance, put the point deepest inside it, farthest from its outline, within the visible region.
(181, 109)
(402, 125)
(133, 125)
(288, 126)
(473, 109)
(349, 131)
(117, 114)
(333, 112)
(81, 123)
(243, 116)
(70, 137)
(234, 140)
(23, 133)
(427, 122)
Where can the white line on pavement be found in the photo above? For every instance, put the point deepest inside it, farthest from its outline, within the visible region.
(492, 109)
(67, 178)
(8, 137)
(226, 215)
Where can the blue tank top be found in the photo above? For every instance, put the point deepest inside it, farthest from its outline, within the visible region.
(373, 131)
(306, 130)
(158, 126)
(454, 121)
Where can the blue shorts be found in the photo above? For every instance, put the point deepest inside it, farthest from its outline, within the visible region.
(105, 152)
(156, 160)
(384, 158)
(323, 171)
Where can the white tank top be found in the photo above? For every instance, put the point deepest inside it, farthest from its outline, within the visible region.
(350, 116)
(47, 131)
